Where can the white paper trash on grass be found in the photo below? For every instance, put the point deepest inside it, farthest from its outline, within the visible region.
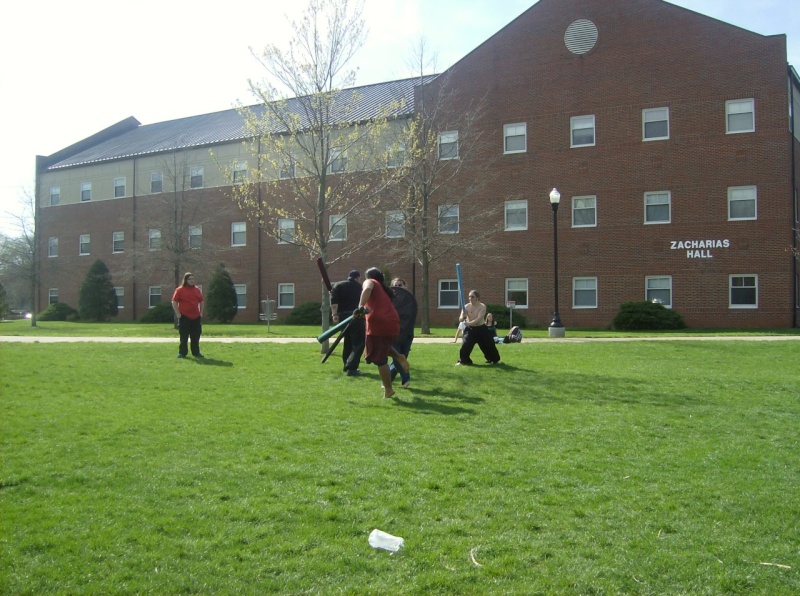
(380, 539)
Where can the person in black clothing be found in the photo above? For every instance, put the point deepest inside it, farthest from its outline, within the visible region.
(406, 306)
(474, 315)
(344, 300)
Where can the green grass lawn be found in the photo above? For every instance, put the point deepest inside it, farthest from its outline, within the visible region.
(571, 468)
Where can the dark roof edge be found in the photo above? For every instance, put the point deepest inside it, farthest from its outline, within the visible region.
(121, 127)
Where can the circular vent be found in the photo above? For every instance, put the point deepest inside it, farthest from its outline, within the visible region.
(580, 36)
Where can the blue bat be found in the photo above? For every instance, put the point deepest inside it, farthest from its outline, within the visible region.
(460, 286)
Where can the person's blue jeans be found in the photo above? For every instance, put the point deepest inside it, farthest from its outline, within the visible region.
(402, 346)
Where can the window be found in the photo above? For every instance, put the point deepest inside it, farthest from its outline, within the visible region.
(52, 246)
(516, 215)
(241, 295)
(338, 227)
(338, 161)
(156, 182)
(119, 187)
(86, 191)
(153, 296)
(55, 195)
(120, 292)
(517, 290)
(285, 231)
(655, 124)
(515, 138)
(448, 145)
(154, 239)
(288, 168)
(741, 202)
(85, 244)
(239, 234)
(584, 212)
(658, 289)
(448, 294)
(52, 296)
(581, 131)
(448, 219)
(395, 155)
(584, 292)
(239, 172)
(395, 224)
(743, 291)
(657, 207)
(196, 177)
(195, 236)
(285, 295)
(740, 116)
(117, 242)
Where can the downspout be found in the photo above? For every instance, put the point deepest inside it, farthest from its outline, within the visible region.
(133, 244)
(259, 236)
(793, 78)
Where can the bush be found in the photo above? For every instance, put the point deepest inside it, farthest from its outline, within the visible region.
(500, 312)
(221, 300)
(638, 316)
(305, 314)
(59, 311)
(160, 313)
(97, 299)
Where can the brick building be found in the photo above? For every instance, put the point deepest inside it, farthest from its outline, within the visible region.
(670, 136)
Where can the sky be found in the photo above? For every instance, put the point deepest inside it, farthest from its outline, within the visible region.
(71, 69)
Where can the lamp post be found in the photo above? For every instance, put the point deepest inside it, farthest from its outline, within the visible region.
(556, 328)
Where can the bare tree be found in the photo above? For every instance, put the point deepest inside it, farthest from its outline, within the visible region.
(19, 262)
(321, 161)
(447, 161)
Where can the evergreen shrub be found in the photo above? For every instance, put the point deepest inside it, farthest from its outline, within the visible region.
(160, 313)
(640, 316)
(59, 311)
(309, 313)
(501, 319)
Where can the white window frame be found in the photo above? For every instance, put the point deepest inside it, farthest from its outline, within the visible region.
(448, 287)
(286, 231)
(395, 155)
(395, 224)
(337, 224)
(338, 161)
(736, 107)
(86, 192)
(239, 228)
(85, 240)
(119, 183)
(52, 246)
(195, 237)
(650, 287)
(156, 178)
(55, 195)
(286, 291)
(448, 145)
(734, 193)
(117, 242)
(152, 292)
(577, 123)
(743, 276)
(576, 209)
(653, 196)
(445, 214)
(285, 173)
(515, 131)
(651, 115)
(514, 287)
(576, 281)
(241, 295)
(196, 177)
(517, 206)
(240, 172)
(52, 296)
(154, 239)
(119, 291)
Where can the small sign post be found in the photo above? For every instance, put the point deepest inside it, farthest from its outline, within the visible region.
(511, 304)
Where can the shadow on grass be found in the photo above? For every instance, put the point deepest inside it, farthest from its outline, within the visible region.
(210, 362)
(425, 406)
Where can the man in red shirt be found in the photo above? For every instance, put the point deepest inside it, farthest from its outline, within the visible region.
(187, 302)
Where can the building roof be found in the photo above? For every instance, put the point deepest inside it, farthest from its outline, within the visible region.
(129, 138)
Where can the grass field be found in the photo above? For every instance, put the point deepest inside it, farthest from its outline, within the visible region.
(572, 468)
